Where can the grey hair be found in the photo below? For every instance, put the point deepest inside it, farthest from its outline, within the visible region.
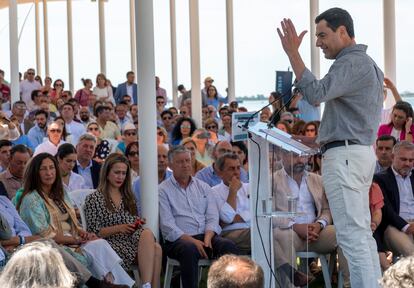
(177, 150)
(221, 161)
(401, 274)
(402, 145)
(36, 265)
(87, 137)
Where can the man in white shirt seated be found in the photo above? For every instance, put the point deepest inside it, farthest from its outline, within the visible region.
(313, 229)
(75, 129)
(232, 198)
(54, 140)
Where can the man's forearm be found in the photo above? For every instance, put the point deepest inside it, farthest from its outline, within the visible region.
(298, 66)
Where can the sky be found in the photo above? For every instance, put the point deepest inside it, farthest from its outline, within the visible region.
(258, 52)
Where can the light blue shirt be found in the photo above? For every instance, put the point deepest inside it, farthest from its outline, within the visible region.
(191, 210)
(36, 135)
(9, 212)
(209, 176)
(309, 112)
(136, 188)
(86, 173)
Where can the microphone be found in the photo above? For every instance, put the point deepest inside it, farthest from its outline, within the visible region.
(276, 113)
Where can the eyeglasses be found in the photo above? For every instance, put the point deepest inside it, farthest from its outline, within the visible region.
(212, 127)
(185, 126)
(160, 133)
(55, 131)
(93, 129)
(58, 84)
(130, 134)
(30, 73)
(133, 154)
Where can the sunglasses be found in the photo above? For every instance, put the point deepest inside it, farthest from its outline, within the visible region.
(160, 134)
(55, 131)
(212, 127)
(133, 154)
(289, 121)
(160, 102)
(60, 85)
(93, 129)
(30, 73)
(310, 130)
(130, 134)
(166, 118)
(185, 126)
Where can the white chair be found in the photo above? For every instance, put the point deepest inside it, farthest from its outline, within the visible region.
(78, 198)
(171, 263)
(326, 268)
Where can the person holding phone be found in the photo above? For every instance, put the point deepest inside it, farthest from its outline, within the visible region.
(401, 124)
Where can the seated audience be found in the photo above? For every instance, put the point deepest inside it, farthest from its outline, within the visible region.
(310, 129)
(65, 134)
(192, 147)
(111, 213)
(82, 95)
(383, 151)
(401, 125)
(201, 137)
(225, 131)
(103, 148)
(129, 135)
(5, 150)
(132, 153)
(12, 178)
(396, 184)
(8, 129)
(189, 219)
(19, 234)
(74, 128)
(240, 149)
(284, 126)
(163, 173)
(36, 265)
(235, 271)
(66, 157)
(85, 166)
(313, 231)
(233, 202)
(184, 128)
(121, 110)
(46, 209)
(54, 140)
(37, 133)
(109, 130)
(209, 174)
(162, 136)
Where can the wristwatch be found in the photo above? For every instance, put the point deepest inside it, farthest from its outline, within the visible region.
(321, 225)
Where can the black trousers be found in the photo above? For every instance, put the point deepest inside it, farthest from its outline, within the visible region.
(187, 254)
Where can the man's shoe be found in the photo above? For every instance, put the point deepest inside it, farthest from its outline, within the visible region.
(105, 284)
(301, 279)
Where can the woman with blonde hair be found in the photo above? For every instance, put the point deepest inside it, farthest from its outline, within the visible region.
(111, 213)
(191, 145)
(102, 90)
(36, 265)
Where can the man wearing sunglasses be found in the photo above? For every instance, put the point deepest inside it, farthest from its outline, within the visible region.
(27, 86)
(51, 145)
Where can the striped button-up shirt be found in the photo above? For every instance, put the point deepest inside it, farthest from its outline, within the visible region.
(191, 210)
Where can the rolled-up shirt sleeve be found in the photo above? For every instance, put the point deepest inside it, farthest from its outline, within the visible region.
(227, 213)
(169, 229)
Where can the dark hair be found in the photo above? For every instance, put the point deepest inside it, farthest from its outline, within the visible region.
(63, 84)
(34, 94)
(19, 148)
(129, 147)
(298, 127)
(386, 138)
(65, 150)
(4, 143)
(176, 132)
(289, 130)
(310, 123)
(33, 181)
(100, 109)
(242, 147)
(85, 81)
(166, 112)
(40, 111)
(405, 107)
(180, 87)
(19, 102)
(129, 72)
(68, 104)
(215, 89)
(336, 17)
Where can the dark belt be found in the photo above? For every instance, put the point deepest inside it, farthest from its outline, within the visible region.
(335, 144)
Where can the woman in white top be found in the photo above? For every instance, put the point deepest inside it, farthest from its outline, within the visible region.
(102, 90)
(66, 157)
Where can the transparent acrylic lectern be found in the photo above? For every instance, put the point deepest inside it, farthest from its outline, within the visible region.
(267, 148)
